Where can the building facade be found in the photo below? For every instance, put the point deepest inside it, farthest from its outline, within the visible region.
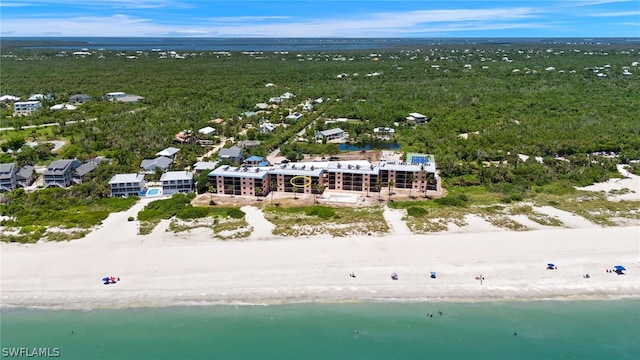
(176, 181)
(60, 173)
(127, 185)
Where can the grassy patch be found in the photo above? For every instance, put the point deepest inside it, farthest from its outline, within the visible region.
(317, 220)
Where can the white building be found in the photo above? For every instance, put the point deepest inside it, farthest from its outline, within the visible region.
(127, 184)
(25, 107)
(176, 181)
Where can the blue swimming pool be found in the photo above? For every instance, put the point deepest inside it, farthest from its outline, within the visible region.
(153, 192)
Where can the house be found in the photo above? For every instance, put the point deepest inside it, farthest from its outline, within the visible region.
(208, 130)
(384, 133)
(161, 162)
(184, 136)
(9, 98)
(127, 184)
(307, 106)
(60, 173)
(62, 107)
(417, 118)
(267, 128)
(80, 173)
(8, 177)
(79, 98)
(294, 116)
(25, 107)
(249, 143)
(233, 154)
(123, 97)
(248, 114)
(169, 152)
(287, 96)
(26, 176)
(202, 166)
(275, 100)
(331, 134)
(38, 97)
(253, 160)
(262, 106)
(176, 181)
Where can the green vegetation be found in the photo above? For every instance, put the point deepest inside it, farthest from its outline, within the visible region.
(55, 208)
(503, 132)
(320, 220)
(187, 216)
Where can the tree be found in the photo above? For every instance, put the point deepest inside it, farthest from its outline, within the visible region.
(231, 190)
(258, 191)
(390, 185)
(379, 187)
(410, 180)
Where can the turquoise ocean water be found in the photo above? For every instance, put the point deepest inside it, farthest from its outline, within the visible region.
(545, 330)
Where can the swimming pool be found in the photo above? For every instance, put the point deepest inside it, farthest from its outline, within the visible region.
(154, 192)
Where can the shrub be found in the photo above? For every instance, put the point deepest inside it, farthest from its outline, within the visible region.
(130, 218)
(458, 200)
(322, 212)
(416, 211)
(191, 212)
(235, 213)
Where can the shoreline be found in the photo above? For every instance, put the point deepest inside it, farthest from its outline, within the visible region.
(166, 269)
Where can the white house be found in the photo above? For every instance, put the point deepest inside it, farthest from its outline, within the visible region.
(176, 181)
(208, 130)
(25, 107)
(126, 184)
(267, 128)
(384, 133)
(331, 134)
(294, 116)
(62, 107)
(417, 118)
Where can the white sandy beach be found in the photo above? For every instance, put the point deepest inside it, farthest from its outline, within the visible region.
(164, 268)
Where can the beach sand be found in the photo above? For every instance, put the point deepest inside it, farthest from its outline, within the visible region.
(190, 268)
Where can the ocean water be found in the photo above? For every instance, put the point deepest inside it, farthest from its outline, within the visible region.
(496, 330)
(281, 44)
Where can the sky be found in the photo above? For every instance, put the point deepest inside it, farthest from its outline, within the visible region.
(320, 18)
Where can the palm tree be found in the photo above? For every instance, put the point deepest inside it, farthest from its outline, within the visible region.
(258, 191)
(211, 188)
(378, 187)
(230, 190)
(390, 185)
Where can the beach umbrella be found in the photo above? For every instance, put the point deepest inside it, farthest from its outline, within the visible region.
(550, 265)
(619, 268)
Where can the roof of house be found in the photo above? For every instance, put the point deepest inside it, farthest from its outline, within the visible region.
(205, 165)
(161, 162)
(249, 143)
(7, 170)
(334, 131)
(207, 130)
(395, 166)
(129, 98)
(168, 152)
(126, 178)
(25, 172)
(254, 158)
(62, 166)
(176, 175)
(232, 152)
(85, 168)
(79, 97)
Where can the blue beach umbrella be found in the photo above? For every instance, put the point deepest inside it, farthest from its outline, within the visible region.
(551, 265)
(619, 268)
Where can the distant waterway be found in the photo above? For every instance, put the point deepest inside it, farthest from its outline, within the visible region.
(278, 44)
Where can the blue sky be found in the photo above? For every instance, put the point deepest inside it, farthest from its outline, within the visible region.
(321, 18)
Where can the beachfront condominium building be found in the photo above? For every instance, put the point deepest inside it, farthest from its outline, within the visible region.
(243, 180)
(314, 177)
(8, 177)
(353, 176)
(25, 107)
(303, 178)
(60, 173)
(127, 184)
(176, 181)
